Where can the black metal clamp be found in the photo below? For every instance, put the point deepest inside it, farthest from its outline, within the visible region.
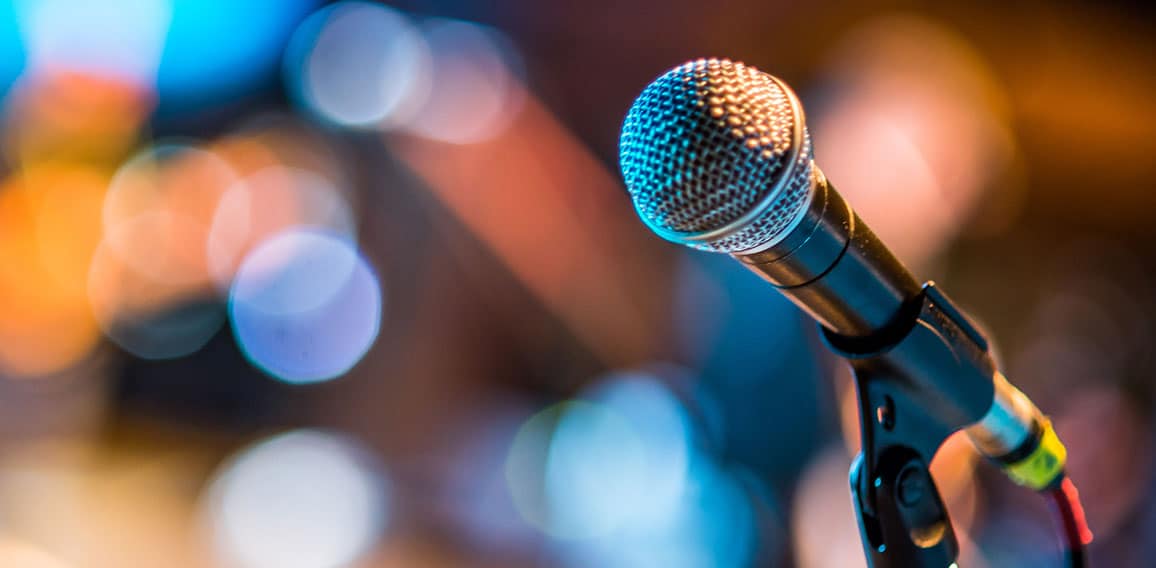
(918, 381)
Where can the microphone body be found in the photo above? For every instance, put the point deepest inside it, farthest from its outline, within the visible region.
(833, 267)
(716, 156)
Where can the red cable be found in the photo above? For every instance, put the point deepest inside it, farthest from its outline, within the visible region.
(1065, 501)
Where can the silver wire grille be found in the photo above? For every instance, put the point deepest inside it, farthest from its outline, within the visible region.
(708, 143)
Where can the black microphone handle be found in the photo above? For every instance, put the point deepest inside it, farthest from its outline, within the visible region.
(833, 267)
(870, 306)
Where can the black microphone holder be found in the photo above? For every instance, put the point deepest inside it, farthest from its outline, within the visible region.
(900, 375)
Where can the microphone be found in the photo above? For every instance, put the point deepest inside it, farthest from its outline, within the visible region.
(716, 156)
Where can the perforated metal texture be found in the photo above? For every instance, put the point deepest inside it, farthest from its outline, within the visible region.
(706, 144)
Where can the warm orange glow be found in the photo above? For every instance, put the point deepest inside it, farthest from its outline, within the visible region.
(245, 154)
(74, 116)
(49, 227)
(260, 208)
(159, 211)
(284, 180)
(178, 220)
(18, 553)
(914, 135)
(823, 517)
(118, 289)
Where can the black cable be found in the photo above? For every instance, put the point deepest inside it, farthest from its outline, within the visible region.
(1065, 504)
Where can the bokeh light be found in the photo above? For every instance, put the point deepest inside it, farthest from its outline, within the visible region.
(358, 64)
(304, 499)
(616, 480)
(191, 52)
(305, 306)
(159, 209)
(474, 89)
(595, 472)
(149, 284)
(49, 228)
(525, 466)
(70, 116)
(149, 319)
(113, 38)
(267, 202)
(172, 167)
(12, 50)
(635, 433)
(713, 523)
(825, 530)
(20, 554)
(913, 133)
(218, 49)
(171, 333)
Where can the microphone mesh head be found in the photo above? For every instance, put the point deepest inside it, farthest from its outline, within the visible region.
(716, 156)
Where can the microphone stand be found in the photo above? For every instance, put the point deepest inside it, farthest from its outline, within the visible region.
(903, 421)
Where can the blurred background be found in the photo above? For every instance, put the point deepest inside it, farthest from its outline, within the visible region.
(296, 284)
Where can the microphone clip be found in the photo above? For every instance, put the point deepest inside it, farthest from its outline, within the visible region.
(920, 379)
